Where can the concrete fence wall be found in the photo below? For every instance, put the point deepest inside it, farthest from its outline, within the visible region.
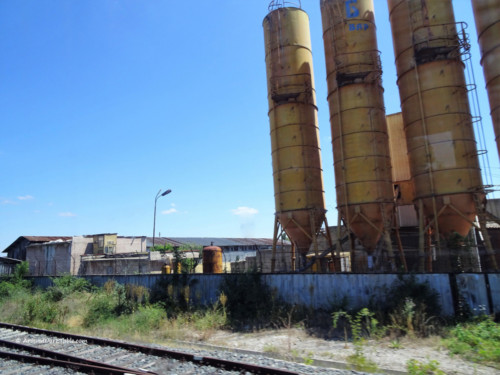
(480, 291)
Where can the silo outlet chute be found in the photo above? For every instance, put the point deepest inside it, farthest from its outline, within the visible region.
(298, 180)
(444, 164)
(365, 196)
(487, 18)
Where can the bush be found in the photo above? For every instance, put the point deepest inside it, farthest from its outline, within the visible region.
(101, 308)
(39, 309)
(66, 285)
(477, 341)
(6, 289)
(148, 318)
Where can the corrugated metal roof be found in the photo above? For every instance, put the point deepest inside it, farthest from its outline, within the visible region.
(36, 239)
(6, 260)
(46, 238)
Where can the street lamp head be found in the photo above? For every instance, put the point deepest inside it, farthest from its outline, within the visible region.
(166, 192)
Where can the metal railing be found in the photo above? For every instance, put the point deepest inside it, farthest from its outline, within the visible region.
(275, 4)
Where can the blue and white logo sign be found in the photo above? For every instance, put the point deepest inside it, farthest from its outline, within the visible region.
(350, 9)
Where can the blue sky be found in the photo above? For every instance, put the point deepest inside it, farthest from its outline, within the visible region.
(105, 102)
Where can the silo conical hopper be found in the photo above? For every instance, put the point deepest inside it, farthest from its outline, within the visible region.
(298, 181)
(360, 143)
(487, 17)
(438, 123)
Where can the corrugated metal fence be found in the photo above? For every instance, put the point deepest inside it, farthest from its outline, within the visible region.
(480, 291)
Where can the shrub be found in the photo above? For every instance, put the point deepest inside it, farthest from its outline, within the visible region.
(39, 309)
(101, 308)
(6, 289)
(148, 318)
(477, 341)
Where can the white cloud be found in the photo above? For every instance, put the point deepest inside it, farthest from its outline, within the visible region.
(169, 211)
(245, 211)
(8, 201)
(67, 214)
(25, 198)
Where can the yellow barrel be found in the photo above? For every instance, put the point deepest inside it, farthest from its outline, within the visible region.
(298, 180)
(360, 142)
(438, 124)
(212, 259)
(487, 17)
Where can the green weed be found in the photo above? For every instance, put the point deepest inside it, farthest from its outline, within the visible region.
(362, 324)
(415, 367)
(478, 341)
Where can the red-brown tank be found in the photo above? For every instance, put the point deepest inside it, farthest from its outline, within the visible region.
(212, 259)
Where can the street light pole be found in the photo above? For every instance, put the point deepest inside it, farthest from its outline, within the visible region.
(160, 194)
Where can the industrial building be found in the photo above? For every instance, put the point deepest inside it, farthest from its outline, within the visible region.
(108, 253)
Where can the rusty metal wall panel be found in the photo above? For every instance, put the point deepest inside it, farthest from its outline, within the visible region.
(323, 291)
(472, 288)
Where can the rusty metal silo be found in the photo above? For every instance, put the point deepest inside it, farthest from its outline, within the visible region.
(362, 164)
(298, 180)
(487, 17)
(438, 123)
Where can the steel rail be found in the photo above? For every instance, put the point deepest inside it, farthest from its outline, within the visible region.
(200, 360)
(67, 357)
(77, 366)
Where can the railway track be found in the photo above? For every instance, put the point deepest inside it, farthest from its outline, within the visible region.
(25, 349)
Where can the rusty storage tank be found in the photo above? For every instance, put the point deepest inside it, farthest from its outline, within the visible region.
(298, 179)
(212, 259)
(360, 142)
(438, 124)
(487, 17)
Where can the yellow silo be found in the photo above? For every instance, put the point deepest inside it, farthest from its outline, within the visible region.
(487, 17)
(298, 180)
(438, 123)
(362, 164)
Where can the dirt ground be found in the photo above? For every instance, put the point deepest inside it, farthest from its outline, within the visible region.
(387, 354)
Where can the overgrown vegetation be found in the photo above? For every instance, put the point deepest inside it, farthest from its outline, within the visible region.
(477, 341)
(16, 281)
(415, 367)
(362, 325)
(172, 310)
(410, 308)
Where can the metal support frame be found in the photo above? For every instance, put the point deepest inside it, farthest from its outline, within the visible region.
(279, 228)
